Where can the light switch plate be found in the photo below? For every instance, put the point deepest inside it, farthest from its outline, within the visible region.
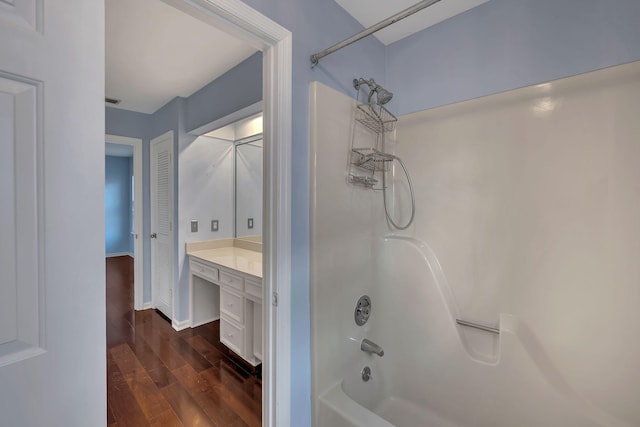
(194, 226)
(250, 223)
(214, 225)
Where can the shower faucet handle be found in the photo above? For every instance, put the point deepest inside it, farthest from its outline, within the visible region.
(363, 310)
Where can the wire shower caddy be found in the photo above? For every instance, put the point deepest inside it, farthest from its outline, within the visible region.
(366, 161)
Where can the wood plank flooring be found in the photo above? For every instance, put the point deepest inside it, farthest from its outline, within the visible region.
(158, 377)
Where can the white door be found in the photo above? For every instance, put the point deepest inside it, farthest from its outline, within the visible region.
(162, 223)
(52, 270)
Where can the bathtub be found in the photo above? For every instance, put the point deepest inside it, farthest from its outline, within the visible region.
(355, 403)
(430, 376)
(545, 400)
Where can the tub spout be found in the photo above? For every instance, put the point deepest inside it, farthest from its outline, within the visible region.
(371, 347)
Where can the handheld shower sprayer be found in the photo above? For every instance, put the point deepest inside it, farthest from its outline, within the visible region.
(382, 95)
(378, 119)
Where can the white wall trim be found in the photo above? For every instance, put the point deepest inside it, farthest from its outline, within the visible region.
(138, 246)
(277, 228)
(147, 306)
(240, 20)
(180, 325)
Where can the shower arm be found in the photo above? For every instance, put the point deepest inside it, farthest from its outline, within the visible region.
(315, 58)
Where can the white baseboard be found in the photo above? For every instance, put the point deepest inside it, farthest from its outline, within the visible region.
(178, 326)
(147, 306)
(113, 255)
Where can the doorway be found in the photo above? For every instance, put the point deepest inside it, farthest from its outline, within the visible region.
(243, 22)
(134, 146)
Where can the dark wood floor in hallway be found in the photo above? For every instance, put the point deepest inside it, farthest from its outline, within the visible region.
(159, 377)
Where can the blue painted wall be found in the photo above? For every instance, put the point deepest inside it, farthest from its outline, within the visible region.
(117, 201)
(239, 87)
(507, 44)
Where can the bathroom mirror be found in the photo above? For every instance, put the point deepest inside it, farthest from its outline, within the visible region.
(236, 173)
(248, 187)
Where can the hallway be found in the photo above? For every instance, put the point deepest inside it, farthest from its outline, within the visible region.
(159, 377)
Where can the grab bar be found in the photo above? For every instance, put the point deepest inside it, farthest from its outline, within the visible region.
(477, 326)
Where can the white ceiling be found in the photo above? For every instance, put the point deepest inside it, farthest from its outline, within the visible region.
(155, 52)
(369, 12)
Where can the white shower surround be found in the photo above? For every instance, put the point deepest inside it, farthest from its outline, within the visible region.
(528, 208)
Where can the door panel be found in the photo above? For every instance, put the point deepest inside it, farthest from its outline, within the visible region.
(162, 223)
(52, 293)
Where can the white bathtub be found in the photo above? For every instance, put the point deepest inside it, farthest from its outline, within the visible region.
(355, 403)
(539, 401)
(429, 378)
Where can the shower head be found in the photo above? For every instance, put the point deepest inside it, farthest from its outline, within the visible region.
(382, 95)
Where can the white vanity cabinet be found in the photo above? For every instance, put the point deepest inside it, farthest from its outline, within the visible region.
(230, 294)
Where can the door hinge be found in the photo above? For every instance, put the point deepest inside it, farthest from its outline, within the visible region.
(274, 299)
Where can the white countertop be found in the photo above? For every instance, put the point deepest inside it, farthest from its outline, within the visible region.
(242, 260)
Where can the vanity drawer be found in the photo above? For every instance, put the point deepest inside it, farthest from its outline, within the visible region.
(253, 288)
(232, 337)
(232, 280)
(204, 271)
(232, 305)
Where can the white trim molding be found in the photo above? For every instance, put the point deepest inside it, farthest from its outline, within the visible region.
(138, 213)
(180, 325)
(247, 24)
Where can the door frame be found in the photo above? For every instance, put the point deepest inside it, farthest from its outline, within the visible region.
(138, 215)
(238, 19)
(169, 135)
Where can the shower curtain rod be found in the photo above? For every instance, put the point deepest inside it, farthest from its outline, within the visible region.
(315, 58)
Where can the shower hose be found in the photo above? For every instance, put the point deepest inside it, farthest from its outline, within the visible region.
(384, 196)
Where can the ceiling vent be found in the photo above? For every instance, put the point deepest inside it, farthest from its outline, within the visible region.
(112, 101)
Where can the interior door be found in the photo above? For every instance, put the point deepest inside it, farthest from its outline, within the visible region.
(162, 206)
(52, 278)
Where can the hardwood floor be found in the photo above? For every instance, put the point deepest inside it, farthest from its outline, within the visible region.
(159, 377)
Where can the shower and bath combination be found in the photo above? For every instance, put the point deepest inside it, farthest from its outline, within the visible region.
(374, 159)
